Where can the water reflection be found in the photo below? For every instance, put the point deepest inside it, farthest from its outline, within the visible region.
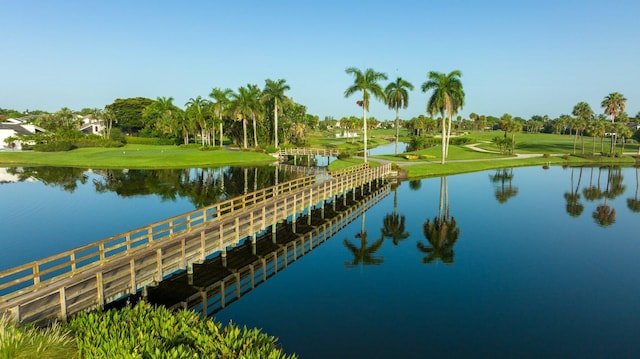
(441, 233)
(393, 224)
(633, 203)
(363, 253)
(66, 178)
(202, 186)
(574, 207)
(504, 189)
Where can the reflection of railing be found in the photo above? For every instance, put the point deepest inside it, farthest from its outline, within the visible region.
(308, 151)
(248, 266)
(98, 273)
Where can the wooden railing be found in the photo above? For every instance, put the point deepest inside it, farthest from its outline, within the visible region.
(98, 273)
(309, 151)
(214, 296)
(32, 275)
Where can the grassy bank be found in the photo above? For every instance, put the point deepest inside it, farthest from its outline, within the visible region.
(137, 156)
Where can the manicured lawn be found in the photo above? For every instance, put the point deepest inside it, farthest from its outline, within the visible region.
(137, 156)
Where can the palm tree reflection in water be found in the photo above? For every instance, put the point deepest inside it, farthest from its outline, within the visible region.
(441, 233)
(364, 254)
(393, 224)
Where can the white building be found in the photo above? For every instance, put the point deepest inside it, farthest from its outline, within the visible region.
(13, 127)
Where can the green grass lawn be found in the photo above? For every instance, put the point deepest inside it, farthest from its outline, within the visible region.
(137, 156)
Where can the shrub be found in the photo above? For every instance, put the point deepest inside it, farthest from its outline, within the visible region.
(156, 332)
(30, 342)
(459, 140)
(546, 155)
(57, 146)
(427, 157)
(209, 148)
(344, 155)
(566, 157)
(271, 149)
(135, 140)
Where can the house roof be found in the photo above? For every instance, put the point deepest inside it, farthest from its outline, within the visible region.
(17, 128)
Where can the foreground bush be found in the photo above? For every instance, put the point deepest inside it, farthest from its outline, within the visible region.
(144, 331)
(29, 342)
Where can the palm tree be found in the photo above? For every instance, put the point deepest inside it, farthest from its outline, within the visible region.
(221, 101)
(274, 91)
(195, 110)
(397, 94)
(583, 111)
(241, 104)
(613, 104)
(367, 82)
(255, 109)
(447, 98)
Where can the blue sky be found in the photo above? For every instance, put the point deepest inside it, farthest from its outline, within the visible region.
(518, 57)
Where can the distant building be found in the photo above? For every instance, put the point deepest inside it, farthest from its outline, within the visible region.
(91, 125)
(12, 128)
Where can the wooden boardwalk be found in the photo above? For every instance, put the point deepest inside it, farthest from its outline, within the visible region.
(220, 281)
(96, 274)
(309, 151)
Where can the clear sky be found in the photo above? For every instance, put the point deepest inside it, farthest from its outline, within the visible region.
(519, 57)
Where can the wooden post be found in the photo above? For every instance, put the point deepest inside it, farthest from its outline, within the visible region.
(63, 304)
(203, 254)
(100, 290)
(159, 269)
(132, 268)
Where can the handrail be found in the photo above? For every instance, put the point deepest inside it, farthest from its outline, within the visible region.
(81, 257)
(310, 151)
(38, 274)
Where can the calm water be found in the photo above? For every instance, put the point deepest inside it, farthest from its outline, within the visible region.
(514, 263)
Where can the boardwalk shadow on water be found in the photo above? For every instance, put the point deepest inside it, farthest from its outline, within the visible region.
(224, 278)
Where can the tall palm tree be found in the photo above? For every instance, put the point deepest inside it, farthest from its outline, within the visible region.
(613, 104)
(255, 109)
(221, 100)
(274, 91)
(196, 108)
(447, 99)
(367, 82)
(583, 111)
(397, 94)
(241, 107)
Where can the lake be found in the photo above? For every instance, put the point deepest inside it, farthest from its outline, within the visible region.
(526, 262)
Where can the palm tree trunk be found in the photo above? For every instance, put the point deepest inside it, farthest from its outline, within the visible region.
(244, 131)
(448, 136)
(255, 132)
(220, 131)
(397, 129)
(275, 126)
(364, 123)
(444, 139)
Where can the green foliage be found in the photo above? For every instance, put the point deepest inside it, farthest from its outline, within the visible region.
(209, 148)
(29, 342)
(128, 112)
(271, 149)
(135, 140)
(457, 141)
(344, 155)
(54, 146)
(144, 331)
